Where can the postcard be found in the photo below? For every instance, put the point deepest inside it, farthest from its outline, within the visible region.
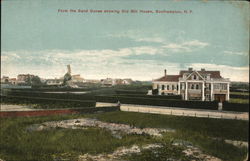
(170, 80)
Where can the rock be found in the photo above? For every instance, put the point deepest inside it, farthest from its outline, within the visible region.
(113, 127)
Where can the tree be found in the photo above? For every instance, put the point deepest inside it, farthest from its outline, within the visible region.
(35, 81)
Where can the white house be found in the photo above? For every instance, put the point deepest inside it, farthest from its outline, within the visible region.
(53, 82)
(194, 85)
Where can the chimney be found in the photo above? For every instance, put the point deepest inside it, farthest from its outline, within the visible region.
(165, 72)
(203, 69)
(190, 69)
(69, 69)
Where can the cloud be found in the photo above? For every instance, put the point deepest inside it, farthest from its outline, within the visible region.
(234, 73)
(235, 53)
(187, 46)
(139, 36)
(99, 64)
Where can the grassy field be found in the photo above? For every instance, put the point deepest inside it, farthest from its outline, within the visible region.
(18, 144)
(240, 93)
(238, 100)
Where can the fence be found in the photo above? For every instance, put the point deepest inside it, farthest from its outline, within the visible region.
(185, 112)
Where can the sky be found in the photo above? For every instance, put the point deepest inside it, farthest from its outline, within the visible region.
(38, 38)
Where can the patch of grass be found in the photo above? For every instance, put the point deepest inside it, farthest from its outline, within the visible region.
(223, 128)
(240, 93)
(200, 131)
(239, 100)
(17, 143)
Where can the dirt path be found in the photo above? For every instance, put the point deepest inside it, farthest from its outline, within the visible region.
(5, 107)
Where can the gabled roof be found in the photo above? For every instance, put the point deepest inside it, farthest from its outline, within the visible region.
(169, 78)
(213, 74)
(199, 75)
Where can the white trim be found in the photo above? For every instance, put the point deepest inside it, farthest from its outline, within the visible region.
(192, 74)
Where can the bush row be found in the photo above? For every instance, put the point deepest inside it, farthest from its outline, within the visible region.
(239, 107)
(56, 89)
(159, 102)
(48, 102)
(178, 97)
(239, 96)
(52, 95)
(130, 92)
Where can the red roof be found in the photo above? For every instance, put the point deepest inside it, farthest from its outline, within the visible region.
(169, 78)
(175, 78)
(213, 74)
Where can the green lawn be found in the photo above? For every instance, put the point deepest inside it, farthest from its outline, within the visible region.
(240, 93)
(18, 144)
(239, 100)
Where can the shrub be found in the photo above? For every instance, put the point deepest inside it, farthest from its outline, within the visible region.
(239, 96)
(48, 102)
(40, 94)
(152, 96)
(240, 107)
(159, 102)
(131, 92)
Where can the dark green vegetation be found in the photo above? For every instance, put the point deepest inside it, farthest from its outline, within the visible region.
(129, 94)
(239, 87)
(47, 103)
(200, 131)
(18, 144)
(238, 100)
(159, 102)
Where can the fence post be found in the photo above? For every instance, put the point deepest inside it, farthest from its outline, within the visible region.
(171, 112)
(235, 117)
(194, 114)
(221, 116)
(208, 115)
(183, 113)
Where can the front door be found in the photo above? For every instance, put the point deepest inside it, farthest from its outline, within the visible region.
(220, 97)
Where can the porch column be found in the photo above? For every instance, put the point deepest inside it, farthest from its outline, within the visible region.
(203, 92)
(159, 89)
(228, 92)
(212, 91)
(179, 88)
(186, 91)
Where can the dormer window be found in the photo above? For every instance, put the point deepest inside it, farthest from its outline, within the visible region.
(195, 77)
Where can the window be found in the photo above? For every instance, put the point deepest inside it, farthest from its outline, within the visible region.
(192, 86)
(172, 87)
(162, 87)
(195, 77)
(197, 86)
(167, 87)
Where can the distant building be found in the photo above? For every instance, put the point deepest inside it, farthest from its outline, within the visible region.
(127, 81)
(95, 81)
(112, 82)
(7, 80)
(194, 85)
(24, 78)
(54, 82)
(108, 82)
(77, 78)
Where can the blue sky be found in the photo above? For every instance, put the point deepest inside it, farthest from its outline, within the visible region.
(38, 39)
